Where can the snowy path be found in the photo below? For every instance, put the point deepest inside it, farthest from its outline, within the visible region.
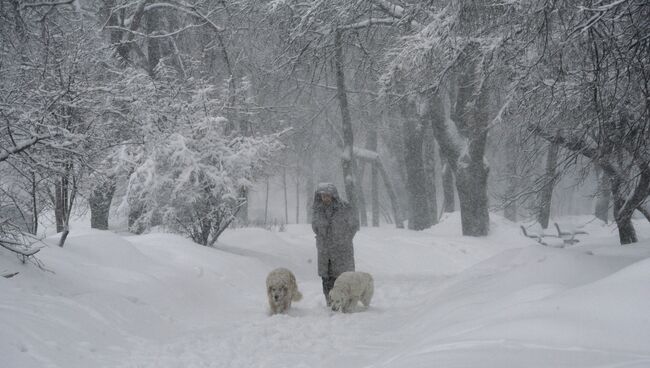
(441, 300)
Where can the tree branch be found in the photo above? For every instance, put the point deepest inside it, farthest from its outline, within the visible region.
(396, 11)
(45, 3)
(6, 152)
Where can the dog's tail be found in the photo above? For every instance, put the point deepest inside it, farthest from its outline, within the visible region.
(297, 296)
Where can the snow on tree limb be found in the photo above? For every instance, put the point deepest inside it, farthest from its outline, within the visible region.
(365, 154)
(23, 145)
(45, 3)
(396, 11)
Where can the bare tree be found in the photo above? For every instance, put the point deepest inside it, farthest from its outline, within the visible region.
(589, 83)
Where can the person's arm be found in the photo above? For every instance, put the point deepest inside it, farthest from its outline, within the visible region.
(318, 223)
(352, 220)
(314, 222)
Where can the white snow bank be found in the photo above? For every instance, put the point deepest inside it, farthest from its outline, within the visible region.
(441, 299)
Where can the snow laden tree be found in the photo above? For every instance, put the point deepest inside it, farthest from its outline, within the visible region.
(584, 87)
(321, 32)
(445, 69)
(345, 36)
(54, 83)
(192, 168)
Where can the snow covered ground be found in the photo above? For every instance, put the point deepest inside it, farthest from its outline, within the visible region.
(442, 300)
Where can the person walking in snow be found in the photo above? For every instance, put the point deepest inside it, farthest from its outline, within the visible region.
(334, 222)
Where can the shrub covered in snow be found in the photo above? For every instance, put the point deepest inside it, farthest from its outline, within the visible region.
(190, 170)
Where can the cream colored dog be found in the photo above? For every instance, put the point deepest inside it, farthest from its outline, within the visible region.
(350, 288)
(281, 289)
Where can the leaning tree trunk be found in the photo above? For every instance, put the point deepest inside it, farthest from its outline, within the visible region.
(546, 193)
(347, 160)
(626, 231)
(100, 203)
(419, 214)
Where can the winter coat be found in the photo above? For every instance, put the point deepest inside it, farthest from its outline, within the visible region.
(334, 226)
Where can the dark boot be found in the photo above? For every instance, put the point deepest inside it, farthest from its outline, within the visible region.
(328, 284)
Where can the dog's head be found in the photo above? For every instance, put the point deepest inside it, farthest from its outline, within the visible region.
(278, 293)
(337, 300)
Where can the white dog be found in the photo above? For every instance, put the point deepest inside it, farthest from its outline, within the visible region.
(281, 289)
(350, 288)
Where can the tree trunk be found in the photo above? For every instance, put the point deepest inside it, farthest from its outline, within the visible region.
(135, 211)
(286, 199)
(64, 234)
(154, 53)
(399, 223)
(66, 192)
(645, 210)
(510, 196)
(448, 153)
(243, 210)
(603, 196)
(60, 202)
(470, 119)
(419, 214)
(361, 198)
(347, 160)
(471, 183)
(34, 225)
(626, 231)
(510, 209)
(309, 202)
(430, 170)
(266, 202)
(371, 144)
(297, 197)
(449, 201)
(546, 193)
(100, 203)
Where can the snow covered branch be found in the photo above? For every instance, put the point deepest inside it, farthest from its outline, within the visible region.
(369, 22)
(23, 145)
(396, 11)
(45, 3)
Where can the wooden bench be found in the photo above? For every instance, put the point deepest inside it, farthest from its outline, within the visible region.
(538, 237)
(569, 237)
